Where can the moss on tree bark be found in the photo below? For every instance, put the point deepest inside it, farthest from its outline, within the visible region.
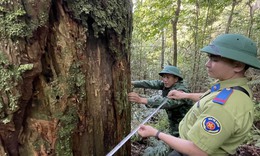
(73, 99)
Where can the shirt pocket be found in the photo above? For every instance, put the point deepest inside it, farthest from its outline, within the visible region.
(195, 113)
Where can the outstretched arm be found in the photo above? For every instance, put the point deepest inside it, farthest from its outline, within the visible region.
(181, 145)
(155, 101)
(176, 94)
(151, 84)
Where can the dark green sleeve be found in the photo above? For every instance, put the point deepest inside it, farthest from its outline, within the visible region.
(156, 101)
(181, 86)
(151, 84)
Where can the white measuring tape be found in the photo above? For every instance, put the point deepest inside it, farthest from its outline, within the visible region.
(135, 130)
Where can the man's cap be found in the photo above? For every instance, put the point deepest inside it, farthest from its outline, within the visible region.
(171, 70)
(235, 47)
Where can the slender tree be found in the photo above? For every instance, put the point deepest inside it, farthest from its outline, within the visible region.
(252, 9)
(174, 31)
(234, 3)
(163, 49)
(195, 68)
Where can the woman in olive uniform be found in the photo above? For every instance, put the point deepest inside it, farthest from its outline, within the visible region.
(220, 121)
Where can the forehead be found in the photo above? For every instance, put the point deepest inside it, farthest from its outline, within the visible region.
(219, 57)
(222, 60)
(168, 75)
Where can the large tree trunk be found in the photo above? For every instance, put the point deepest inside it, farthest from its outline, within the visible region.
(65, 74)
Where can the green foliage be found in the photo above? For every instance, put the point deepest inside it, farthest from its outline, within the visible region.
(151, 17)
(101, 18)
(67, 123)
(39, 143)
(254, 82)
(156, 147)
(76, 81)
(18, 22)
(199, 22)
(9, 80)
(254, 135)
(24, 67)
(193, 33)
(12, 23)
(100, 15)
(159, 121)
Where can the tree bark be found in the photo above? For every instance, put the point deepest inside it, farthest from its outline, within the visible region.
(67, 77)
(195, 67)
(174, 29)
(234, 3)
(251, 13)
(163, 49)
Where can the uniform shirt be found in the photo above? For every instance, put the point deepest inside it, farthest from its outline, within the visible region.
(176, 109)
(219, 129)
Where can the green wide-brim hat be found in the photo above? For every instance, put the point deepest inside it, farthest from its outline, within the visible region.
(171, 70)
(235, 47)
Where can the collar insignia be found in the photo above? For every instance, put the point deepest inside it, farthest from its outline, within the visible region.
(215, 87)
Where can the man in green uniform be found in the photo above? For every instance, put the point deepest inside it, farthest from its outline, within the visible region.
(220, 121)
(171, 80)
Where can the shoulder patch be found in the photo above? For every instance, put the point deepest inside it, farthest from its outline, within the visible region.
(211, 125)
(223, 96)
